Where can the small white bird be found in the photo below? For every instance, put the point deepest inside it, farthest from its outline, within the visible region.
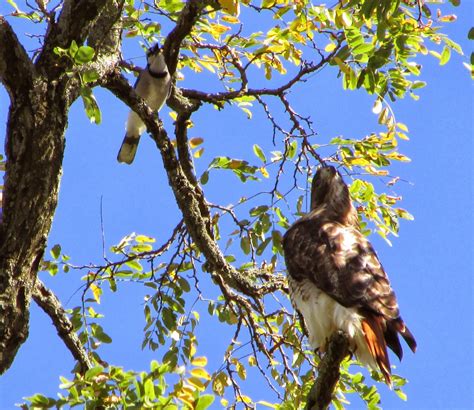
(154, 86)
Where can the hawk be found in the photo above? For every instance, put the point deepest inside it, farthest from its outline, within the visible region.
(336, 280)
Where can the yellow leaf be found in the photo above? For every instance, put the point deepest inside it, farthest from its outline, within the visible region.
(186, 391)
(384, 116)
(187, 399)
(218, 387)
(330, 47)
(402, 126)
(375, 171)
(96, 291)
(194, 142)
(218, 29)
(205, 64)
(403, 136)
(195, 382)
(264, 172)
(245, 399)
(231, 19)
(200, 361)
(344, 68)
(231, 6)
(267, 404)
(192, 350)
(399, 157)
(198, 153)
(201, 373)
(358, 161)
(241, 371)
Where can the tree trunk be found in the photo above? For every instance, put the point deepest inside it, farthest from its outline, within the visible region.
(40, 96)
(34, 147)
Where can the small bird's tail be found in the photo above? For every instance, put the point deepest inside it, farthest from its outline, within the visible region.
(374, 336)
(128, 149)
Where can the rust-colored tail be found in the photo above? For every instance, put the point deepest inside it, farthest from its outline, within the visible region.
(374, 336)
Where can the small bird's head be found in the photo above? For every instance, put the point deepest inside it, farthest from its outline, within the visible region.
(156, 60)
(152, 53)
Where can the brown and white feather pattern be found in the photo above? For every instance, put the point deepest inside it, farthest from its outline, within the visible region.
(336, 280)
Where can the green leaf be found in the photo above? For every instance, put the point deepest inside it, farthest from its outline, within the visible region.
(90, 105)
(95, 371)
(84, 54)
(56, 251)
(445, 55)
(363, 48)
(90, 76)
(292, 149)
(204, 402)
(73, 48)
(149, 389)
(135, 265)
(400, 394)
(102, 336)
(245, 244)
(470, 35)
(205, 178)
(259, 153)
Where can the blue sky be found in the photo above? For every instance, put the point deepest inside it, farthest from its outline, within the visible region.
(430, 265)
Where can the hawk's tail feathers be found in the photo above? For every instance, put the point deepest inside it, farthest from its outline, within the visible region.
(128, 149)
(394, 327)
(407, 335)
(374, 336)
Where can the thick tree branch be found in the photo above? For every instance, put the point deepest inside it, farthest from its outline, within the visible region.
(186, 162)
(186, 196)
(187, 19)
(320, 396)
(16, 69)
(74, 23)
(51, 305)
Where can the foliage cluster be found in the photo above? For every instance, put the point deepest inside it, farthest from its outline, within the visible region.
(371, 45)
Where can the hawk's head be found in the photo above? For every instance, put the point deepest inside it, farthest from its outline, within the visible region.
(329, 189)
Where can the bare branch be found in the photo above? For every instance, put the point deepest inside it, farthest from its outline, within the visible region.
(304, 71)
(51, 305)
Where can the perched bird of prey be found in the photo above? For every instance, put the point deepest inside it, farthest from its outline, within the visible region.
(336, 280)
(154, 86)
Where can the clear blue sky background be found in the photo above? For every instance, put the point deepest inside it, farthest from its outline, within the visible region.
(430, 264)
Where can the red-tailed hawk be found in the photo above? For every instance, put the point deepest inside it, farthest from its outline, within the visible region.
(336, 280)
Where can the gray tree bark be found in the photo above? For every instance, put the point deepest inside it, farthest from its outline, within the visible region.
(40, 96)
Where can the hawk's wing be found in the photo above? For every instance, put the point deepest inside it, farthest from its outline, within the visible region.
(340, 261)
